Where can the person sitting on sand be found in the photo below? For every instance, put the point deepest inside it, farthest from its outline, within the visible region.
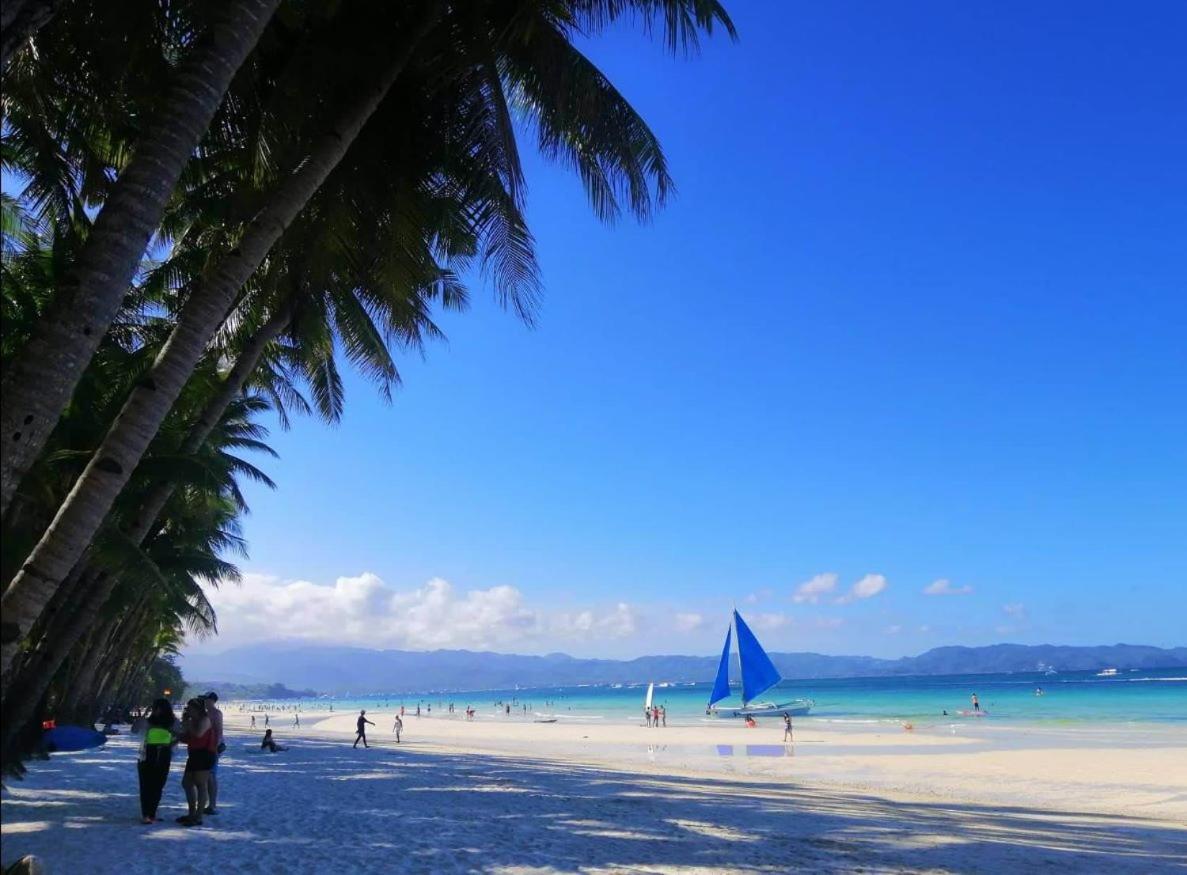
(269, 743)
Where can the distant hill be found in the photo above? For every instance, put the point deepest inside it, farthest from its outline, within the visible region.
(228, 690)
(361, 671)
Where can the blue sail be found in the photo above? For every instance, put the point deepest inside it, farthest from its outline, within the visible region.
(721, 686)
(758, 672)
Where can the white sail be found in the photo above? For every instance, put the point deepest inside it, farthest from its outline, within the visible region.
(650, 694)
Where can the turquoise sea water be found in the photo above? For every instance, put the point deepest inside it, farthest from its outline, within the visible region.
(1071, 698)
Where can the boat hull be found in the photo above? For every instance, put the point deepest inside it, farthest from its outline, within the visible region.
(795, 708)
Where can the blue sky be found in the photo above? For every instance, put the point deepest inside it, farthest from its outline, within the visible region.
(918, 312)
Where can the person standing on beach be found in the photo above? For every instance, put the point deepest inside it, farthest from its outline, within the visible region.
(265, 721)
(398, 727)
(297, 720)
(787, 733)
(361, 725)
(156, 755)
(253, 721)
(976, 703)
(647, 716)
(663, 715)
(198, 734)
(216, 724)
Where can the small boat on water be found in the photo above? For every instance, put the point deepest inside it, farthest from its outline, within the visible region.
(758, 675)
(1107, 673)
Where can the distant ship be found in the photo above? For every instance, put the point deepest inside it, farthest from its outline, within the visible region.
(1107, 673)
(758, 675)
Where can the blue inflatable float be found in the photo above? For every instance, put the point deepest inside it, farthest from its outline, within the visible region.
(64, 738)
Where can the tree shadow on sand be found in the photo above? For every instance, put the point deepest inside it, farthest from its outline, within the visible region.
(322, 804)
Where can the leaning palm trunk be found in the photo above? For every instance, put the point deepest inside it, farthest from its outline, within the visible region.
(38, 385)
(154, 503)
(93, 588)
(97, 487)
(40, 667)
(19, 22)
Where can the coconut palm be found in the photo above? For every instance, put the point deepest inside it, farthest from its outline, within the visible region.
(523, 49)
(38, 386)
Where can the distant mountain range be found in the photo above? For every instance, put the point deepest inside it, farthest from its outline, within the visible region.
(361, 671)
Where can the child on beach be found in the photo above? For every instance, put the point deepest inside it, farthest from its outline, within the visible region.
(269, 743)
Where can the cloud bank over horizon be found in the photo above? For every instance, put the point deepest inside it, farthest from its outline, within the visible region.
(364, 610)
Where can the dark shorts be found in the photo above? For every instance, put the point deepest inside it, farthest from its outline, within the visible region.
(200, 761)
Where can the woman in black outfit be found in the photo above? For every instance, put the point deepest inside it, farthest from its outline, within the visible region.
(156, 755)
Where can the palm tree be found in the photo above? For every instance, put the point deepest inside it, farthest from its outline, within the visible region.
(38, 386)
(529, 54)
(131, 585)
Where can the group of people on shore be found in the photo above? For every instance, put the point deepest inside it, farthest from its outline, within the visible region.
(656, 716)
(201, 730)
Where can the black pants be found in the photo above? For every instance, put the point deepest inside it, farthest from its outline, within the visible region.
(362, 736)
(153, 771)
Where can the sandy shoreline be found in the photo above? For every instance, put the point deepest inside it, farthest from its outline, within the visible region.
(1119, 770)
(516, 796)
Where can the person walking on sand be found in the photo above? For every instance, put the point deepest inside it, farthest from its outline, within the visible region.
(787, 733)
(156, 755)
(216, 723)
(253, 721)
(976, 703)
(361, 726)
(265, 721)
(398, 727)
(297, 720)
(663, 715)
(198, 734)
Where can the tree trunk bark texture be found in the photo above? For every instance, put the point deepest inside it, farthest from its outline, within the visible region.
(108, 471)
(38, 385)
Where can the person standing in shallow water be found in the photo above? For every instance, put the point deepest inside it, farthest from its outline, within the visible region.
(976, 703)
(361, 725)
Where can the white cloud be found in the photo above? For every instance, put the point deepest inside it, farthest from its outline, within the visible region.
(770, 622)
(810, 591)
(829, 622)
(1015, 609)
(945, 587)
(619, 623)
(365, 611)
(866, 588)
(893, 630)
(689, 622)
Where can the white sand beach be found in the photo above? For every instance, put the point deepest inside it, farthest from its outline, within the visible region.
(513, 796)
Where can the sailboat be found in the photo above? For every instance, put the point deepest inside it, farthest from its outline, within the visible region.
(758, 675)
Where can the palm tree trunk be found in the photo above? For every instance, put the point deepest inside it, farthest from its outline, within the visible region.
(38, 385)
(97, 487)
(88, 591)
(19, 22)
(144, 521)
(41, 666)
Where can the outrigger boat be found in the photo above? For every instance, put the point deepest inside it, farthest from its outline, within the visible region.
(758, 675)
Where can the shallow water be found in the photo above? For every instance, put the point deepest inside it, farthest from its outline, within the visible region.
(1072, 699)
